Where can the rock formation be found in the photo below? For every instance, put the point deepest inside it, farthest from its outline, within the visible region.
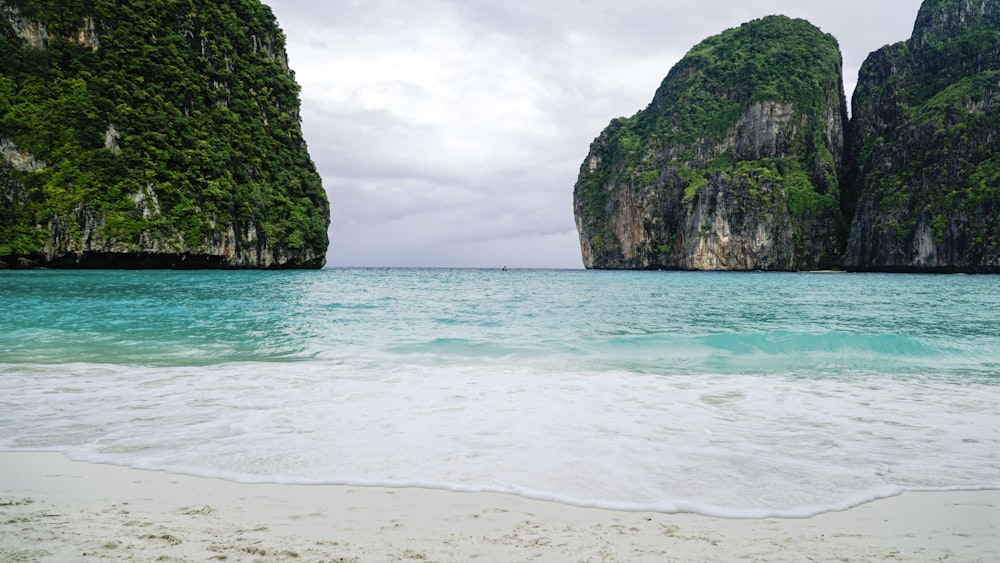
(153, 135)
(925, 170)
(733, 165)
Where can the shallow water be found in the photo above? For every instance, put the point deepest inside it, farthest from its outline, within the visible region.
(725, 394)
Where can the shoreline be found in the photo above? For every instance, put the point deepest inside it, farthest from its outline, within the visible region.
(52, 508)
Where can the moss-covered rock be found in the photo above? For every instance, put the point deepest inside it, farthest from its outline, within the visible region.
(733, 165)
(152, 134)
(925, 170)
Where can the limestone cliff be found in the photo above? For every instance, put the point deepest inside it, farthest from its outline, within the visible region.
(925, 170)
(153, 135)
(733, 165)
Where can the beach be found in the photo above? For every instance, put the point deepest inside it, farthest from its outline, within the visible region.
(457, 415)
(55, 509)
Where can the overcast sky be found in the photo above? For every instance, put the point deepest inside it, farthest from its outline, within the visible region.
(451, 132)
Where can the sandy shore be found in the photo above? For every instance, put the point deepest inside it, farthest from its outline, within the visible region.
(54, 509)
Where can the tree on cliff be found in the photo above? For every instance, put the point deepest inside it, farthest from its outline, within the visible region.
(152, 134)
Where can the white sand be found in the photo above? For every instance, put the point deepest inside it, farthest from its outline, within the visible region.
(53, 509)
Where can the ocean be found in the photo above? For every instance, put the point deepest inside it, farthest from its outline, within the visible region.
(735, 395)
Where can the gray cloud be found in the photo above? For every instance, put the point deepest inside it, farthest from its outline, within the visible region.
(450, 133)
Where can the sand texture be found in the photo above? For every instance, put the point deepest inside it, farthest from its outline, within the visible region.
(54, 509)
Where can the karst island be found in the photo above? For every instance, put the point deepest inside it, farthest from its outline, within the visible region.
(746, 158)
(153, 135)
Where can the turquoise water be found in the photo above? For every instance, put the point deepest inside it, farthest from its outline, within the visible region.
(728, 394)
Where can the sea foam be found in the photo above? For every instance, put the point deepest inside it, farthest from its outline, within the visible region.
(725, 445)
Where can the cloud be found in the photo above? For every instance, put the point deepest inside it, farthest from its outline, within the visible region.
(450, 133)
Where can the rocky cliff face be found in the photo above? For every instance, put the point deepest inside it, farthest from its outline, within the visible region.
(153, 135)
(734, 164)
(925, 171)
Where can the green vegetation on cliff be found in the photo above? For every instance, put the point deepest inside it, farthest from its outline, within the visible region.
(774, 59)
(924, 167)
(159, 127)
(751, 119)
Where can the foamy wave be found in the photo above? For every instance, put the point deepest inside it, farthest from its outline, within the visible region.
(719, 445)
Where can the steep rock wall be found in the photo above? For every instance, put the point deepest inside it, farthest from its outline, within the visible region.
(924, 169)
(733, 166)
